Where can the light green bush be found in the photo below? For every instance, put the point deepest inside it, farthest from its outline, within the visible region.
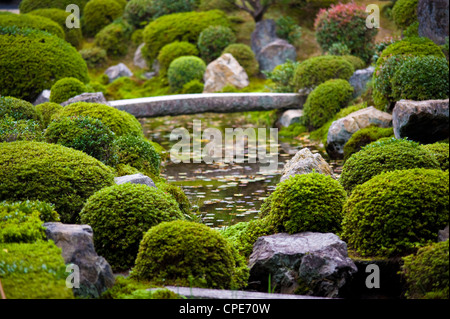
(213, 40)
(65, 89)
(185, 69)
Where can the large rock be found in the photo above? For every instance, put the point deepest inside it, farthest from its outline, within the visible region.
(421, 121)
(138, 59)
(76, 243)
(443, 234)
(43, 97)
(223, 71)
(116, 71)
(290, 117)
(264, 33)
(311, 263)
(96, 97)
(359, 80)
(433, 16)
(341, 130)
(135, 179)
(275, 53)
(305, 162)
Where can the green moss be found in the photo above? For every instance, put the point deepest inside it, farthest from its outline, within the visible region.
(65, 89)
(174, 50)
(33, 22)
(245, 56)
(404, 13)
(395, 212)
(213, 40)
(363, 137)
(48, 110)
(185, 69)
(98, 14)
(441, 152)
(293, 130)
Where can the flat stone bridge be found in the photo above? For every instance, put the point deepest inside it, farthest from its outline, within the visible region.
(208, 102)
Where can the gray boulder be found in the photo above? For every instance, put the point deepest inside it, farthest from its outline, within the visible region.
(96, 97)
(341, 130)
(264, 33)
(116, 71)
(311, 263)
(135, 179)
(43, 97)
(275, 53)
(76, 243)
(443, 234)
(289, 117)
(305, 162)
(433, 16)
(138, 59)
(421, 121)
(359, 80)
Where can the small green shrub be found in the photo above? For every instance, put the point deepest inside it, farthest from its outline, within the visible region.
(166, 7)
(412, 30)
(383, 156)
(48, 110)
(95, 57)
(395, 212)
(18, 109)
(404, 13)
(325, 101)
(30, 5)
(213, 40)
(364, 137)
(307, 202)
(293, 130)
(289, 30)
(338, 49)
(85, 134)
(120, 215)
(174, 50)
(120, 122)
(357, 63)
(33, 22)
(98, 14)
(193, 87)
(245, 56)
(20, 130)
(32, 61)
(183, 70)
(46, 211)
(139, 12)
(188, 253)
(52, 173)
(282, 77)
(314, 71)
(426, 272)
(33, 271)
(114, 38)
(65, 89)
(178, 194)
(441, 152)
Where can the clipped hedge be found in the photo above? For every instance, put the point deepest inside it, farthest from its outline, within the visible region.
(18, 109)
(364, 137)
(245, 56)
(120, 215)
(395, 212)
(95, 57)
(46, 211)
(441, 152)
(48, 110)
(52, 173)
(174, 50)
(32, 61)
(213, 40)
(98, 14)
(20, 130)
(33, 22)
(404, 13)
(139, 12)
(178, 194)
(114, 38)
(185, 69)
(65, 89)
(30, 5)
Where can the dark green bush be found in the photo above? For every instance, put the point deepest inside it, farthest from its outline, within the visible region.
(404, 13)
(188, 253)
(357, 63)
(139, 12)
(288, 29)
(363, 137)
(33, 271)
(282, 77)
(383, 156)
(183, 70)
(52, 173)
(95, 57)
(193, 87)
(72, 35)
(185, 26)
(18, 109)
(426, 272)
(33, 22)
(174, 50)
(120, 122)
(65, 89)
(307, 202)
(166, 7)
(325, 101)
(395, 212)
(245, 56)
(30, 5)
(85, 134)
(213, 40)
(31, 61)
(120, 215)
(48, 110)
(314, 71)
(98, 14)
(441, 152)
(114, 38)
(20, 130)
(338, 49)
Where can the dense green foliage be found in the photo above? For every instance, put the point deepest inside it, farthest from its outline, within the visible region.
(178, 194)
(95, 57)
(245, 56)
(52, 173)
(31, 61)
(46, 211)
(98, 14)
(441, 152)
(20, 130)
(30, 5)
(213, 40)
(185, 69)
(120, 122)
(282, 77)
(395, 212)
(33, 22)
(120, 215)
(404, 13)
(382, 156)
(139, 12)
(193, 87)
(48, 110)
(325, 101)
(174, 50)
(65, 89)
(114, 38)
(365, 136)
(427, 272)
(166, 7)
(314, 71)
(18, 109)
(188, 253)
(357, 63)
(288, 29)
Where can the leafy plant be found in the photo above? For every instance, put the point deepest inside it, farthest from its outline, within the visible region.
(289, 30)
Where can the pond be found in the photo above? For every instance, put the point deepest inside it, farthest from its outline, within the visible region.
(223, 193)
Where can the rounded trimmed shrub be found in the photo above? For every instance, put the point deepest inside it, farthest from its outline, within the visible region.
(98, 14)
(364, 137)
(120, 215)
(52, 173)
(426, 272)
(395, 212)
(188, 253)
(95, 57)
(73, 35)
(114, 38)
(139, 12)
(48, 110)
(33, 22)
(32, 61)
(281, 77)
(338, 49)
(30, 5)
(120, 122)
(316, 70)
(18, 109)
(245, 56)
(325, 101)
(385, 155)
(20, 130)
(357, 63)
(65, 89)
(213, 40)
(85, 134)
(183, 70)
(404, 13)
(441, 152)
(174, 50)
(185, 26)
(178, 194)
(193, 87)
(46, 211)
(307, 202)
